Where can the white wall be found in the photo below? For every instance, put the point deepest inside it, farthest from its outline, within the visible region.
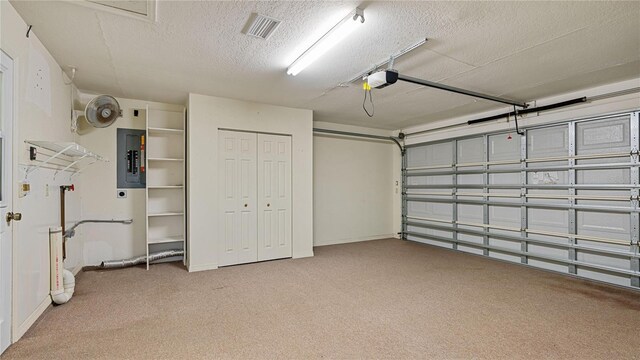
(354, 186)
(206, 114)
(114, 241)
(40, 209)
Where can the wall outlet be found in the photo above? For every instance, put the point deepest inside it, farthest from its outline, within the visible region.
(121, 194)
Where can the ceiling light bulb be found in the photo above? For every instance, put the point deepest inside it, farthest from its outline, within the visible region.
(345, 27)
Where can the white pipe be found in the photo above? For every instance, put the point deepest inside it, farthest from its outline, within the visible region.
(61, 296)
(62, 280)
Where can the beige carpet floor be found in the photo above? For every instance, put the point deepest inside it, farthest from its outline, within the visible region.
(378, 299)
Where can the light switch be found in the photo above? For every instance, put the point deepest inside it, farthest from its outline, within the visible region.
(24, 189)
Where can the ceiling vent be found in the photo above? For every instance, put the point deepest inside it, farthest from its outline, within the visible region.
(261, 26)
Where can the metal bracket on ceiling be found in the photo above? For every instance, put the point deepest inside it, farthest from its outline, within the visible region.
(391, 60)
(379, 65)
(359, 14)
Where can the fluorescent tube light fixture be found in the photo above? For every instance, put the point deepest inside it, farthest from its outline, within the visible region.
(337, 33)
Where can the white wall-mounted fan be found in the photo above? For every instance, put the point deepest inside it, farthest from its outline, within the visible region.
(99, 112)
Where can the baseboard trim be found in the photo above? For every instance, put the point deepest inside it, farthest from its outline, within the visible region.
(202, 267)
(26, 325)
(76, 270)
(352, 240)
(303, 255)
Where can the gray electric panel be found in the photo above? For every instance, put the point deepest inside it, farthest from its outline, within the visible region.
(131, 158)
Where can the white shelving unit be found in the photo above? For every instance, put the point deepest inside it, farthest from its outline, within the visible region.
(165, 193)
(163, 159)
(62, 156)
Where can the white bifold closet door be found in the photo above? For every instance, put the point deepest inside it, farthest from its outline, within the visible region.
(255, 197)
(237, 230)
(274, 197)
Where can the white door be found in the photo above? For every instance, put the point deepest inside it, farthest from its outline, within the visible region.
(6, 197)
(274, 197)
(237, 191)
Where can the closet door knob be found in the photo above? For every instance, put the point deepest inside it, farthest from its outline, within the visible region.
(245, 205)
(268, 205)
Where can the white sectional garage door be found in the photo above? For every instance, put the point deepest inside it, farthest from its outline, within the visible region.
(563, 197)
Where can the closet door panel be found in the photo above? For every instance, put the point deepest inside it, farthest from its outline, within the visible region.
(237, 234)
(274, 197)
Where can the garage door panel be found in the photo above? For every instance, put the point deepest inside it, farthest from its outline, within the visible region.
(615, 198)
(505, 178)
(548, 177)
(417, 156)
(470, 179)
(440, 211)
(470, 238)
(537, 249)
(470, 150)
(607, 260)
(503, 148)
(505, 195)
(605, 176)
(504, 256)
(471, 250)
(548, 265)
(509, 233)
(504, 216)
(427, 231)
(545, 196)
(604, 276)
(430, 155)
(470, 213)
(473, 198)
(605, 225)
(548, 220)
(444, 194)
(603, 136)
(505, 244)
(548, 142)
(430, 242)
(624, 159)
(431, 180)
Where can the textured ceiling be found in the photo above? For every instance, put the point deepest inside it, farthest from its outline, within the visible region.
(522, 50)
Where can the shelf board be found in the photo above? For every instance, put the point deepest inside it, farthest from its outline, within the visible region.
(69, 149)
(165, 240)
(164, 159)
(155, 187)
(166, 214)
(73, 153)
(164, 131)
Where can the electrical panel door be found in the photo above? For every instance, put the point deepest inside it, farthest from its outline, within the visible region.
(131, 159)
